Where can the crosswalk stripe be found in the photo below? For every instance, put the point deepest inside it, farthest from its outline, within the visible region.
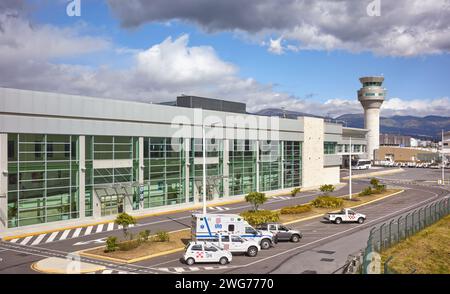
(110, 227)
(107, 272)
(38, 239)
(88, 230)
(179, 269)
(219, 208)
(52, 237)
(77, 232)
(13, 240)
(226, 208)
(26, 240)
(64, 235)
(99, 228)
(194, 268)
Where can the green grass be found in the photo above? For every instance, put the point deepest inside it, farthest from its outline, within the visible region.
(428, 252)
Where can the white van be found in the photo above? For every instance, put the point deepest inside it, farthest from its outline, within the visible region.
(207, 227)
(362, 164)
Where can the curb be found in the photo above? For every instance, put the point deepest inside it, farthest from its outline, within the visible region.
(58, 272)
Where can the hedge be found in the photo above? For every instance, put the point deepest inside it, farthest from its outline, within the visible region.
(297, 209)
(261, 216)
(327, 202)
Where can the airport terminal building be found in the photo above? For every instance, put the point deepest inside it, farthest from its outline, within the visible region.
(65, 159)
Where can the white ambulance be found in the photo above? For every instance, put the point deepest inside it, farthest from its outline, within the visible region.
(207, 227)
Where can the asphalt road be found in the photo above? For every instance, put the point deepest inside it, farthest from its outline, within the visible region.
(324, 248)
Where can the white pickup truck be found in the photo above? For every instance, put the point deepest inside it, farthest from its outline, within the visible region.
(236, 244)
(345, 215)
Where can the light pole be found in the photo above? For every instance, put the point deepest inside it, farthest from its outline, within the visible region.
(204, 163)
(350, 171)
(442, 158)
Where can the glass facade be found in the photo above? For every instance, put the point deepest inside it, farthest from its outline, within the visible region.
(329, 147)
(270, 165)
(43, 173)
(242, 166)
(292, 163)
(42, 179)
(214, 169)
(163, 172)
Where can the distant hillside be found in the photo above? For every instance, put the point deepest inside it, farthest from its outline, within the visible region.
(420, 127)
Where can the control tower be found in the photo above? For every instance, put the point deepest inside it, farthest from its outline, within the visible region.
(371, 96)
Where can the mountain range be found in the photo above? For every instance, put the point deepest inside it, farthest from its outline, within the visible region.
(428, 127)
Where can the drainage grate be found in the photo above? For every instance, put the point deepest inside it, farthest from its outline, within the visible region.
(327, 259)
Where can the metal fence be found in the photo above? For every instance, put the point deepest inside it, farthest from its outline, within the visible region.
(398, 229)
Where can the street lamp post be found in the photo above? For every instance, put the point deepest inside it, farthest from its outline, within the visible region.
(350, 171)
(204, 163)
(442, 158)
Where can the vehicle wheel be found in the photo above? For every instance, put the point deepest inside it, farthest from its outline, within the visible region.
(338, 220)
(265, 244)
(295, 238)
(360, 220)
(190, 261)
(223, 260)
(252, 251)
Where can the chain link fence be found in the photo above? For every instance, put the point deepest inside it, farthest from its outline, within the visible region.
(398, 229)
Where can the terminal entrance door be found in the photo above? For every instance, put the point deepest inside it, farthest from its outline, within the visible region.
(112, 204)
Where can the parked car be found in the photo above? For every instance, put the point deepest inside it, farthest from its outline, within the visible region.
(236, 244)
(345, 215)
(282, 233)
(200, 252)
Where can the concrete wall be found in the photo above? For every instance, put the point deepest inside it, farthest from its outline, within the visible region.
(312, 151)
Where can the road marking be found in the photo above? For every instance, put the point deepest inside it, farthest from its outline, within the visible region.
(88, 230)
(110, 227)
(107, 272)
(77, 232)
(64, 235)
(339, 233)
(179, 269)
(52, 237)
(99, 228)
(38, 239)
(13, 240)
(26, 240)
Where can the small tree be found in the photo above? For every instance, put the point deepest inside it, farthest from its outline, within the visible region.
(295, 191)
(111, 244)
(325, 189)
(125, 220)
(256, 199)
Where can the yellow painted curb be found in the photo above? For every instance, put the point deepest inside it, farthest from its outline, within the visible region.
(118, 260)
(57, 272)
(359, 205)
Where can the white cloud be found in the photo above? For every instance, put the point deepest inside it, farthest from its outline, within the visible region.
(276, 47)
(404, 27)
(159, 73)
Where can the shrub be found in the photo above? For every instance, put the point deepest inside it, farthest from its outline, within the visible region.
(129, 245)
(144, 235)
(296, 209)
(374, 182)
(327, 202)
(256, 199)
(295, 191)
(162, 236)
(380, 189)
(326, 188)
(366, 192)
(111, 244)
(261, 216)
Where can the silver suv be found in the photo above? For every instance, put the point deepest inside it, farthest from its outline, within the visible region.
(281, 232)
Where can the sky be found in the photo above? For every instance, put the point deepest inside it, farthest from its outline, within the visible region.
(300, 55)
